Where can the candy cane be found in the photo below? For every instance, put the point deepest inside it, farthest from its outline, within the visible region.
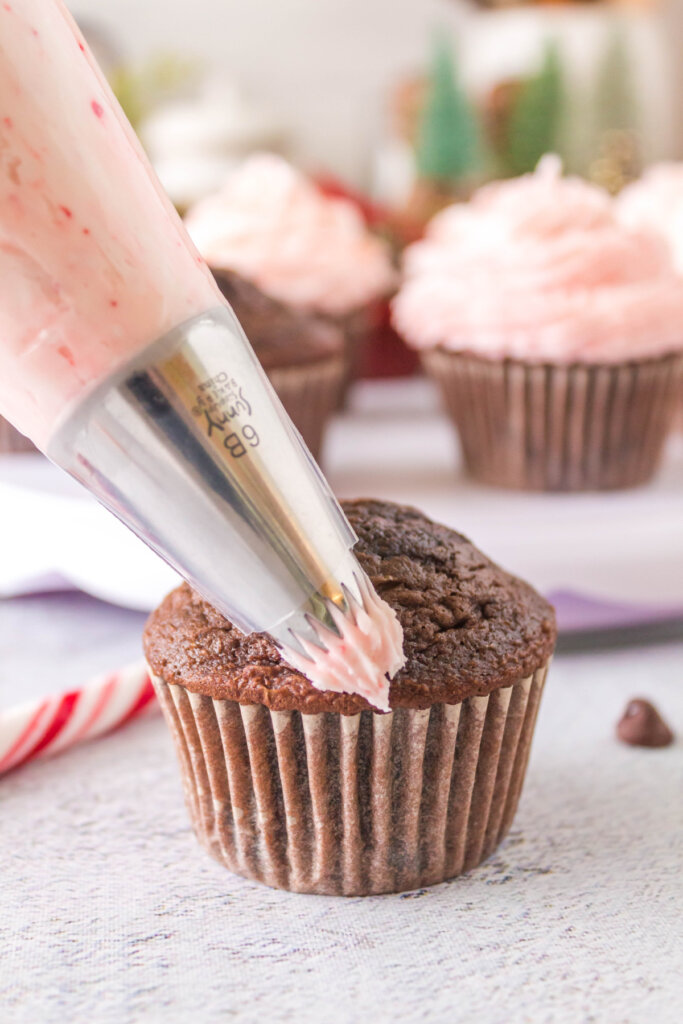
(48, 726)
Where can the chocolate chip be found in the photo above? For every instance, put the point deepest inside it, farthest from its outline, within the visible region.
(641, 725)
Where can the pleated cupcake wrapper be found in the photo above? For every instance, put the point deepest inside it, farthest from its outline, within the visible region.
(563, 428)
(11, 440)
(353, 805)
(678, 415)
(356, 327)
(310, 394)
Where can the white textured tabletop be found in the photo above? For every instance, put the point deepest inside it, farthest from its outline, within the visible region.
(110, 912)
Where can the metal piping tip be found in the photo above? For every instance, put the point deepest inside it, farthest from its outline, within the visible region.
(314, 626)
(309, 630)
(207, 443)
(363, 652)
(320, 625)
(301, 639)
(351, 599)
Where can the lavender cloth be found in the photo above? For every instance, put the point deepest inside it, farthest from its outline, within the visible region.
(576, 612)
(580, 613)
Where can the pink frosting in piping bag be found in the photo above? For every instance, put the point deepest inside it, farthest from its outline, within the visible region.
(540, 268)
(94, 262)
(95, 265)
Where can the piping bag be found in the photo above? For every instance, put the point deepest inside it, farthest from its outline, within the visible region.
(120, 359)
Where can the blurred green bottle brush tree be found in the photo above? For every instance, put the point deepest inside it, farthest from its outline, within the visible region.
(534, 124)
(447, 147)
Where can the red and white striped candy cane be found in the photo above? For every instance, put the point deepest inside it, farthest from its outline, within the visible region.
(47, 726)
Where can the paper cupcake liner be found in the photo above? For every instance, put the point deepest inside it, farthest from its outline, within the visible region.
(356, 327)
(310, 394)
(353, 805)
(678, 415)
(559, 428)
(12, 441)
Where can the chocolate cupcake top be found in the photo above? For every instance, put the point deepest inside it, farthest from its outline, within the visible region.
(280, 336)
(469, 626)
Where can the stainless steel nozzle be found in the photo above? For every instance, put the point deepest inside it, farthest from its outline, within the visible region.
(190, 447)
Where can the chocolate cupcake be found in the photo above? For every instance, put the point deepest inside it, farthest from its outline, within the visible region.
(12, 441)
(554, 333)
(313, 252)
(316, 791)
(302, 355)
(655, 203)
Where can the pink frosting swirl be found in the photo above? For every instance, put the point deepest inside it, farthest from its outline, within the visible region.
(540, 268)
(364, 657)
(270, 224)
(656, 202)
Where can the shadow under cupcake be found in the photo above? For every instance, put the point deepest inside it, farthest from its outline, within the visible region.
(318, 792)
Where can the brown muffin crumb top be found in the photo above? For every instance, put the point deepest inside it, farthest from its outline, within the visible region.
(469, 626)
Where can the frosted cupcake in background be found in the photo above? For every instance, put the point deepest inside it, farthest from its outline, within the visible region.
(272, 226)
(655, 202)
(303, 355)
(554, 332)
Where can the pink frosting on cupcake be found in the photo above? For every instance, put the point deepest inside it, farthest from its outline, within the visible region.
(656, 202)
(364, 657)
(271, 224)
(540, 268)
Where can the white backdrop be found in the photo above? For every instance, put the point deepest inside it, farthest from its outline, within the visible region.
(325, 65)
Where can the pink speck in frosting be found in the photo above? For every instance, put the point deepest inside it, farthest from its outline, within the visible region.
(8, 7)
(86, 231)
(81, 47)
(66, 211)
(67, 354)
(35, 32)
(113, 303)
(8, 122)
(98, 109)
